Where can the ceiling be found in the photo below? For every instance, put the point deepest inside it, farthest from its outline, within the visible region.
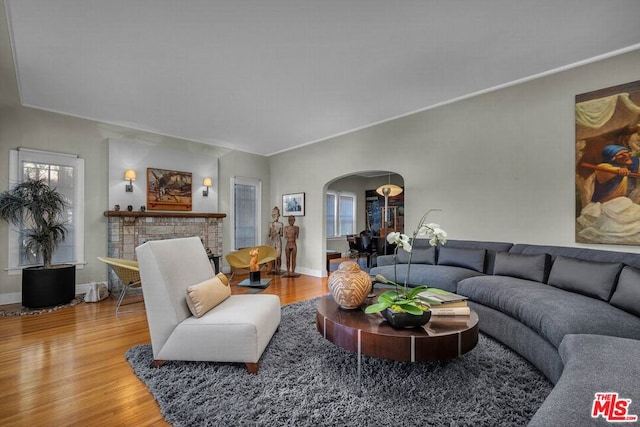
(266, 76)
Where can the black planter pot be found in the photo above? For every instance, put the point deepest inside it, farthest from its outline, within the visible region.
(405, 320)
(48, 287)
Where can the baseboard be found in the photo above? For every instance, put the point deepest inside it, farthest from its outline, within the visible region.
(10, 298)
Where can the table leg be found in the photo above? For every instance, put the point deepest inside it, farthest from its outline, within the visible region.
(359, 360)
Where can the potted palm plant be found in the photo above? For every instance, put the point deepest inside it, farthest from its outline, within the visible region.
(37, 209)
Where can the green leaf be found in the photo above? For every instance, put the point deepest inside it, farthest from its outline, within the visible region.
(376, 308)
(387, 297)
(415, 291)
(411, 309)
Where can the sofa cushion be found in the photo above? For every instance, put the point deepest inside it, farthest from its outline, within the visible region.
(436, 276)
(594, 279)
(632, 259)
(491, 247)
(592, 364)
(550, 311)
(627, 293)
(465, 258)
(207, 294)
(420, 255)
(530, 267)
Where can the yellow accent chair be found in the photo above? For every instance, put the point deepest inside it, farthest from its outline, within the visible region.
(241, 259)
(129, 274)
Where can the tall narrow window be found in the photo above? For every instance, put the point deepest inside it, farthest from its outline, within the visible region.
(65, 173)
(341, 213)
(347, 212)
(247, 194)
(332, 228)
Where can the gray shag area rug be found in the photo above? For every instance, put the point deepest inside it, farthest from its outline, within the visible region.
(304, 380)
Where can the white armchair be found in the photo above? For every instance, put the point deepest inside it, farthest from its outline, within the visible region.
(236, 330)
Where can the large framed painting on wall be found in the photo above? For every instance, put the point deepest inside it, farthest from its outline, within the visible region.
(168, 190)
(607, 174)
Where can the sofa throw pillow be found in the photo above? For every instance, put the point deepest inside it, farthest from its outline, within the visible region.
(524, 266)
(594, 279)
(627, 294)
(420, 256)
(472, 259)
(205, 295)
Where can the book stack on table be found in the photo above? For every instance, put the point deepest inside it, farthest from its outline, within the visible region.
(444, 303)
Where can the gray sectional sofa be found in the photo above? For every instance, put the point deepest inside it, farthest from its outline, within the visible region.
(572, 312)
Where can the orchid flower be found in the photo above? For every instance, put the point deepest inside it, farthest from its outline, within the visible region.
(402, 240)
(403, 298)
(434, 233)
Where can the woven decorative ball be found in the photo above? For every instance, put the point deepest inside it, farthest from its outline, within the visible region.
(349, 285)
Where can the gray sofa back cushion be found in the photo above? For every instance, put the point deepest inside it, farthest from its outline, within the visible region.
(580, 253)
(472, 259)
(531, 267)
(491, 247)
(594, 279)
(627, 294)
(423, 253)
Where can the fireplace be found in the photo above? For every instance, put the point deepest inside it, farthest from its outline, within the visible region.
(130, 229)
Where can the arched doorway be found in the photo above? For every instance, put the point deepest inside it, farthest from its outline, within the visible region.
(368, 210)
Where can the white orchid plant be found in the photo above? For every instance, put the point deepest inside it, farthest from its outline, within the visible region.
(403, 298)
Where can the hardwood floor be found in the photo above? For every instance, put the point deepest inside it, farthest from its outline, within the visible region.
(67, 367)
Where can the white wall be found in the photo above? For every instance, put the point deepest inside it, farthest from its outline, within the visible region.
(499, 165)
(239, 164)
(139, 156)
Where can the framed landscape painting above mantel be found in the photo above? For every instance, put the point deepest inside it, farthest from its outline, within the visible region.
(607, 165)
(169, 190)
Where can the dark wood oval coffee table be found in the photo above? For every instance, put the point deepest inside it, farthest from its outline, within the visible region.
(444, 337)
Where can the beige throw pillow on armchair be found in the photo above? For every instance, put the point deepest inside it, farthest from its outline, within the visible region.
(205, 295)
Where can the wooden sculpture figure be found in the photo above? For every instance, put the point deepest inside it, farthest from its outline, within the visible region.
(275, 238)
(291, 233)
(253, 263)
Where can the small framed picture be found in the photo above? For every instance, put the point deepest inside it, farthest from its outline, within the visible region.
(293, 204)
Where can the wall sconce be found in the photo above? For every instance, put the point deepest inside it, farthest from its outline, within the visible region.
(129, 175)
(207, 183)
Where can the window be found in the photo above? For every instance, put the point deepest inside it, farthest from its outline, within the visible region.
(65, 172)
(246, 194)
(341, 213)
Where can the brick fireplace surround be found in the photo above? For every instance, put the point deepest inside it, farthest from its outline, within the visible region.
(130, 229)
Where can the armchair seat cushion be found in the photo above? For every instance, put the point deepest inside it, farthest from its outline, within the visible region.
(236, 330)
